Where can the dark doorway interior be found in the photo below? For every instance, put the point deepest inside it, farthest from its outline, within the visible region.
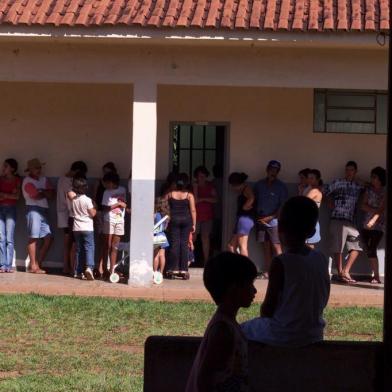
(195, 144)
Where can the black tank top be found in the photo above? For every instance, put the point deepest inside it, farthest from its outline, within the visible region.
(179, 208)
(241, 200)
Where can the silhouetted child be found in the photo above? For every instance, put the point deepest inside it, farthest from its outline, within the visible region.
(221, 362)
(299, 283)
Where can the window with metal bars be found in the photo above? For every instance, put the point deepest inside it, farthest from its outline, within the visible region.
(350, 111)
(194, 145)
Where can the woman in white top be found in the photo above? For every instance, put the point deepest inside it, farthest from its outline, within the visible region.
(314, 193)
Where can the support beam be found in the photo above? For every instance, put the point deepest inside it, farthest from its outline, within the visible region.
(143, 170)
(388, 248)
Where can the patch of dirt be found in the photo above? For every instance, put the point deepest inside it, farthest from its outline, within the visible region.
(10, 374)
(130, 349)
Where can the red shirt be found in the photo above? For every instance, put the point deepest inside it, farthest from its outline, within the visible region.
(204, 209)
(9, 186)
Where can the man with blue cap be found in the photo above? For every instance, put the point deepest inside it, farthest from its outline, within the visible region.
(271, 193)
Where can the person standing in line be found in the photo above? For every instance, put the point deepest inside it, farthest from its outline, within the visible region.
(245, 213)
(37, 190)
(314, 193)
(64, 213)
(9, 195)
(343, 197)
(114, 205)
(270, 194)
(373, 204)
(205, 198)
(303, 185)
(99, 189)
(83, 212)
(182, 223)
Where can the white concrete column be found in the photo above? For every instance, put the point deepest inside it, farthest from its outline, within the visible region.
(143, 173)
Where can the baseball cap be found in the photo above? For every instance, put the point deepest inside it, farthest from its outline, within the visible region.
(34, 164)
(274, 164)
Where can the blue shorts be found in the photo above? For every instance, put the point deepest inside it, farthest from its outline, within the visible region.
(244, 225)
(37, 222)
(316, 236)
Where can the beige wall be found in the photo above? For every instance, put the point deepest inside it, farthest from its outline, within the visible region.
(60, 123)
(266, 123)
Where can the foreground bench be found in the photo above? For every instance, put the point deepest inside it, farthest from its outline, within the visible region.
(328, 366)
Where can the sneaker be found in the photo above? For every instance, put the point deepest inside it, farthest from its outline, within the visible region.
(81, 276)
(157, 277)
(89, 274)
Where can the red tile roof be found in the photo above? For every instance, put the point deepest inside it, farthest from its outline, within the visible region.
(285, 15)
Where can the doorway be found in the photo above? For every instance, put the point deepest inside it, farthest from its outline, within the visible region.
(202, 144)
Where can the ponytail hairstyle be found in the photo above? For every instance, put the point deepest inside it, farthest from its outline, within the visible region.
(236, 179)
(13, 164)
(317, 174)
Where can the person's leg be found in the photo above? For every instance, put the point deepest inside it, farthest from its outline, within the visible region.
(352, 257)
(174, 251)
(66, 253)
(106, 246)
(267, 252)
(79, 252)
(3, 241)
(113, 251)
(184, 236)
(336, 235)
(276, 247)
(162, 260)
(155, 263)
(206, 228)
(32, 251)
(243, 245)
(10, 230)
(353, 247)
(47, 242)
(233, 244)
(33, 218)
(88, 238)
(338, 262)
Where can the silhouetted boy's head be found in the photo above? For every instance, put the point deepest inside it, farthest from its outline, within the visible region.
(230, 276)
(298, 219)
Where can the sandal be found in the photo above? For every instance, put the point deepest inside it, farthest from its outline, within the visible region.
(184, 275)
(36, 271)
(346, 279)
(375, 281)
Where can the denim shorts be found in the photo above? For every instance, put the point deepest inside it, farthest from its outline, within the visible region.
(244, 225)
(37, 222)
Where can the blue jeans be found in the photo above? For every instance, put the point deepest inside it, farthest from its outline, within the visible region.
(7, 229)
(84, 250)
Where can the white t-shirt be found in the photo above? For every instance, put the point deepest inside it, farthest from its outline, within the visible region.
(31, 188)
(82, 220)
(110, 198)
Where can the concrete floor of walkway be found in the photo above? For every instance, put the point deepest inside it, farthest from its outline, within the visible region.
(359, 294)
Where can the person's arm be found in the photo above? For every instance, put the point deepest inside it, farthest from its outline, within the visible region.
(14, 195)
(49, 191)
(192, 208)
(274, 289)
(219, 350)
(377, 214)
(250, 199)
(213, 199)
(315, 195)
(33, 191)
(92, 212)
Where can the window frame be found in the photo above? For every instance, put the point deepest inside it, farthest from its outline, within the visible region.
(328, 92)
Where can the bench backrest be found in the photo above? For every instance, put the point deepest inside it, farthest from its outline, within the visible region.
(328, 366)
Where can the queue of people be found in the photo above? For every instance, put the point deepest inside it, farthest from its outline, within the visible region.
(190, 206)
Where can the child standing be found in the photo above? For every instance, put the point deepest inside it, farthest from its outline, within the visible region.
(221, 362)
(299, 284)
(114, 205)
(83, 212)
(160, 249)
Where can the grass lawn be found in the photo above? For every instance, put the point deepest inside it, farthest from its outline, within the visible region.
(68, 344)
